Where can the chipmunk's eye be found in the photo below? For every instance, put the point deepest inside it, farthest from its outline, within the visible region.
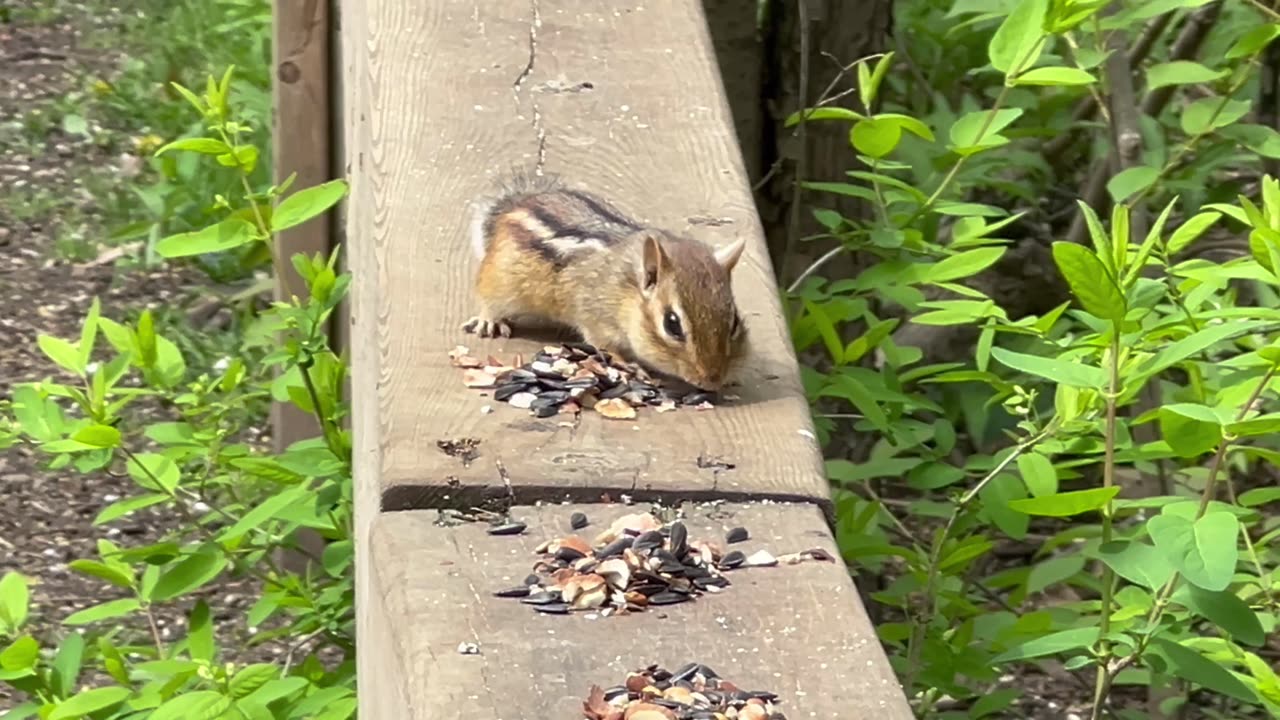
(671, 323)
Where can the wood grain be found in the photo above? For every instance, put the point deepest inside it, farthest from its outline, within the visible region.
(798, 630)
(651, 130)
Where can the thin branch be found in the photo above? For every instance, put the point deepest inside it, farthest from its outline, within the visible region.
(1085, 109)
(802, 159)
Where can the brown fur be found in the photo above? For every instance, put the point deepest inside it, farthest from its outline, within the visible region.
(552, 253)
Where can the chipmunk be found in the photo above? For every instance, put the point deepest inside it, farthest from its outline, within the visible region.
(651, 296)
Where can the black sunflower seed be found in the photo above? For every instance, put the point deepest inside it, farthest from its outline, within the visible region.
(697, 398)
(541, 598)
(549, 384)
(679, 542)
(733, 559)
(521, 591)
(504, 392)
(555, 608)
(667, 598)
(532, 580)
(737, 535)
(568, 554)
(616, 391)
(648, 540)
(511, 528)
(582, 383)
(578, 520)
(548, 410)
(616, 547)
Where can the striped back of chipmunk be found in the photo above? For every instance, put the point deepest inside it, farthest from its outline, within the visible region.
(556, 222)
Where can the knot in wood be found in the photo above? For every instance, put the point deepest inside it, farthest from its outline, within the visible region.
(288, 72)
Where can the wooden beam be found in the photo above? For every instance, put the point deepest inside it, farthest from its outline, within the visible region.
(799, 631)
(443, 99)
(301, 142)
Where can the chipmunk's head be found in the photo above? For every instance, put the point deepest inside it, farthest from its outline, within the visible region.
(689, 323)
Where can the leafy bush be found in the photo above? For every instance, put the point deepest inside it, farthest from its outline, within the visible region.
(1050, 426)
(240, 503)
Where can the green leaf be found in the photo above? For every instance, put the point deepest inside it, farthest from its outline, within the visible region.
(264, 511)
(962, 265)
(1191, 430)
(90, 701)
(1190, 665)
(1017, 44)
(1131, 181)
(305, 204)
(1181, 72)
(1226, 610)
(126, 506)
(191, 573)
(66, 664)
(99, 436)
(1192, 344)
(89, 332)
(1259, 138)
(1038, 474)
(996, 496)
(105, 611)
(14, 598)
(993, 702)
(21, 654)
(204, 146)
(153, 471)
(62, 352)
(1259, 496)
(1050, 644)
(1090, 281)
(200, 644)
(1262, 425)
(855, 392)
(113, 575)
(875, 138)
(1253, 41)
(198, 705)
(1190, 230)
(1101, 241)
(1055, 76)
(822, 113)
(965, 138)
(1137, 562)
(906, 122)
(75, 125)
(1065, 372)
(1204, 551)
(1067, 503)
(252, 677)
(226, 235)
(1208, 114)
(1053, 571)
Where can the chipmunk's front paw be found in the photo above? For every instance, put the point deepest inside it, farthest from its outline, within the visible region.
(486, 327)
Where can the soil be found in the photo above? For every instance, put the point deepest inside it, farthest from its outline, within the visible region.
(46, 516)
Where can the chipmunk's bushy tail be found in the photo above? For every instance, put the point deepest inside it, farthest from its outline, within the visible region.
(516, 182)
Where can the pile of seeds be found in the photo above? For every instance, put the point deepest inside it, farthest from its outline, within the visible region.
(636, 563)
(694, 692)
(566, 379)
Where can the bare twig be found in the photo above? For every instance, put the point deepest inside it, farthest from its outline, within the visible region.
(1184, 47)
(1085, 109)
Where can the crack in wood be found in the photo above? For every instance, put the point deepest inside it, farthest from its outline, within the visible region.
(539, 131)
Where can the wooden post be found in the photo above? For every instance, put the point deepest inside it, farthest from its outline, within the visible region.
(442, 99)
(302, 144)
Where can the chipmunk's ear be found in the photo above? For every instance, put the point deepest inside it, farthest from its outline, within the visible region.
(728, 255)
(654, 264)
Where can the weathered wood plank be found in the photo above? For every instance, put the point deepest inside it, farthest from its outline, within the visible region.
(799, 630)
(446, 121)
